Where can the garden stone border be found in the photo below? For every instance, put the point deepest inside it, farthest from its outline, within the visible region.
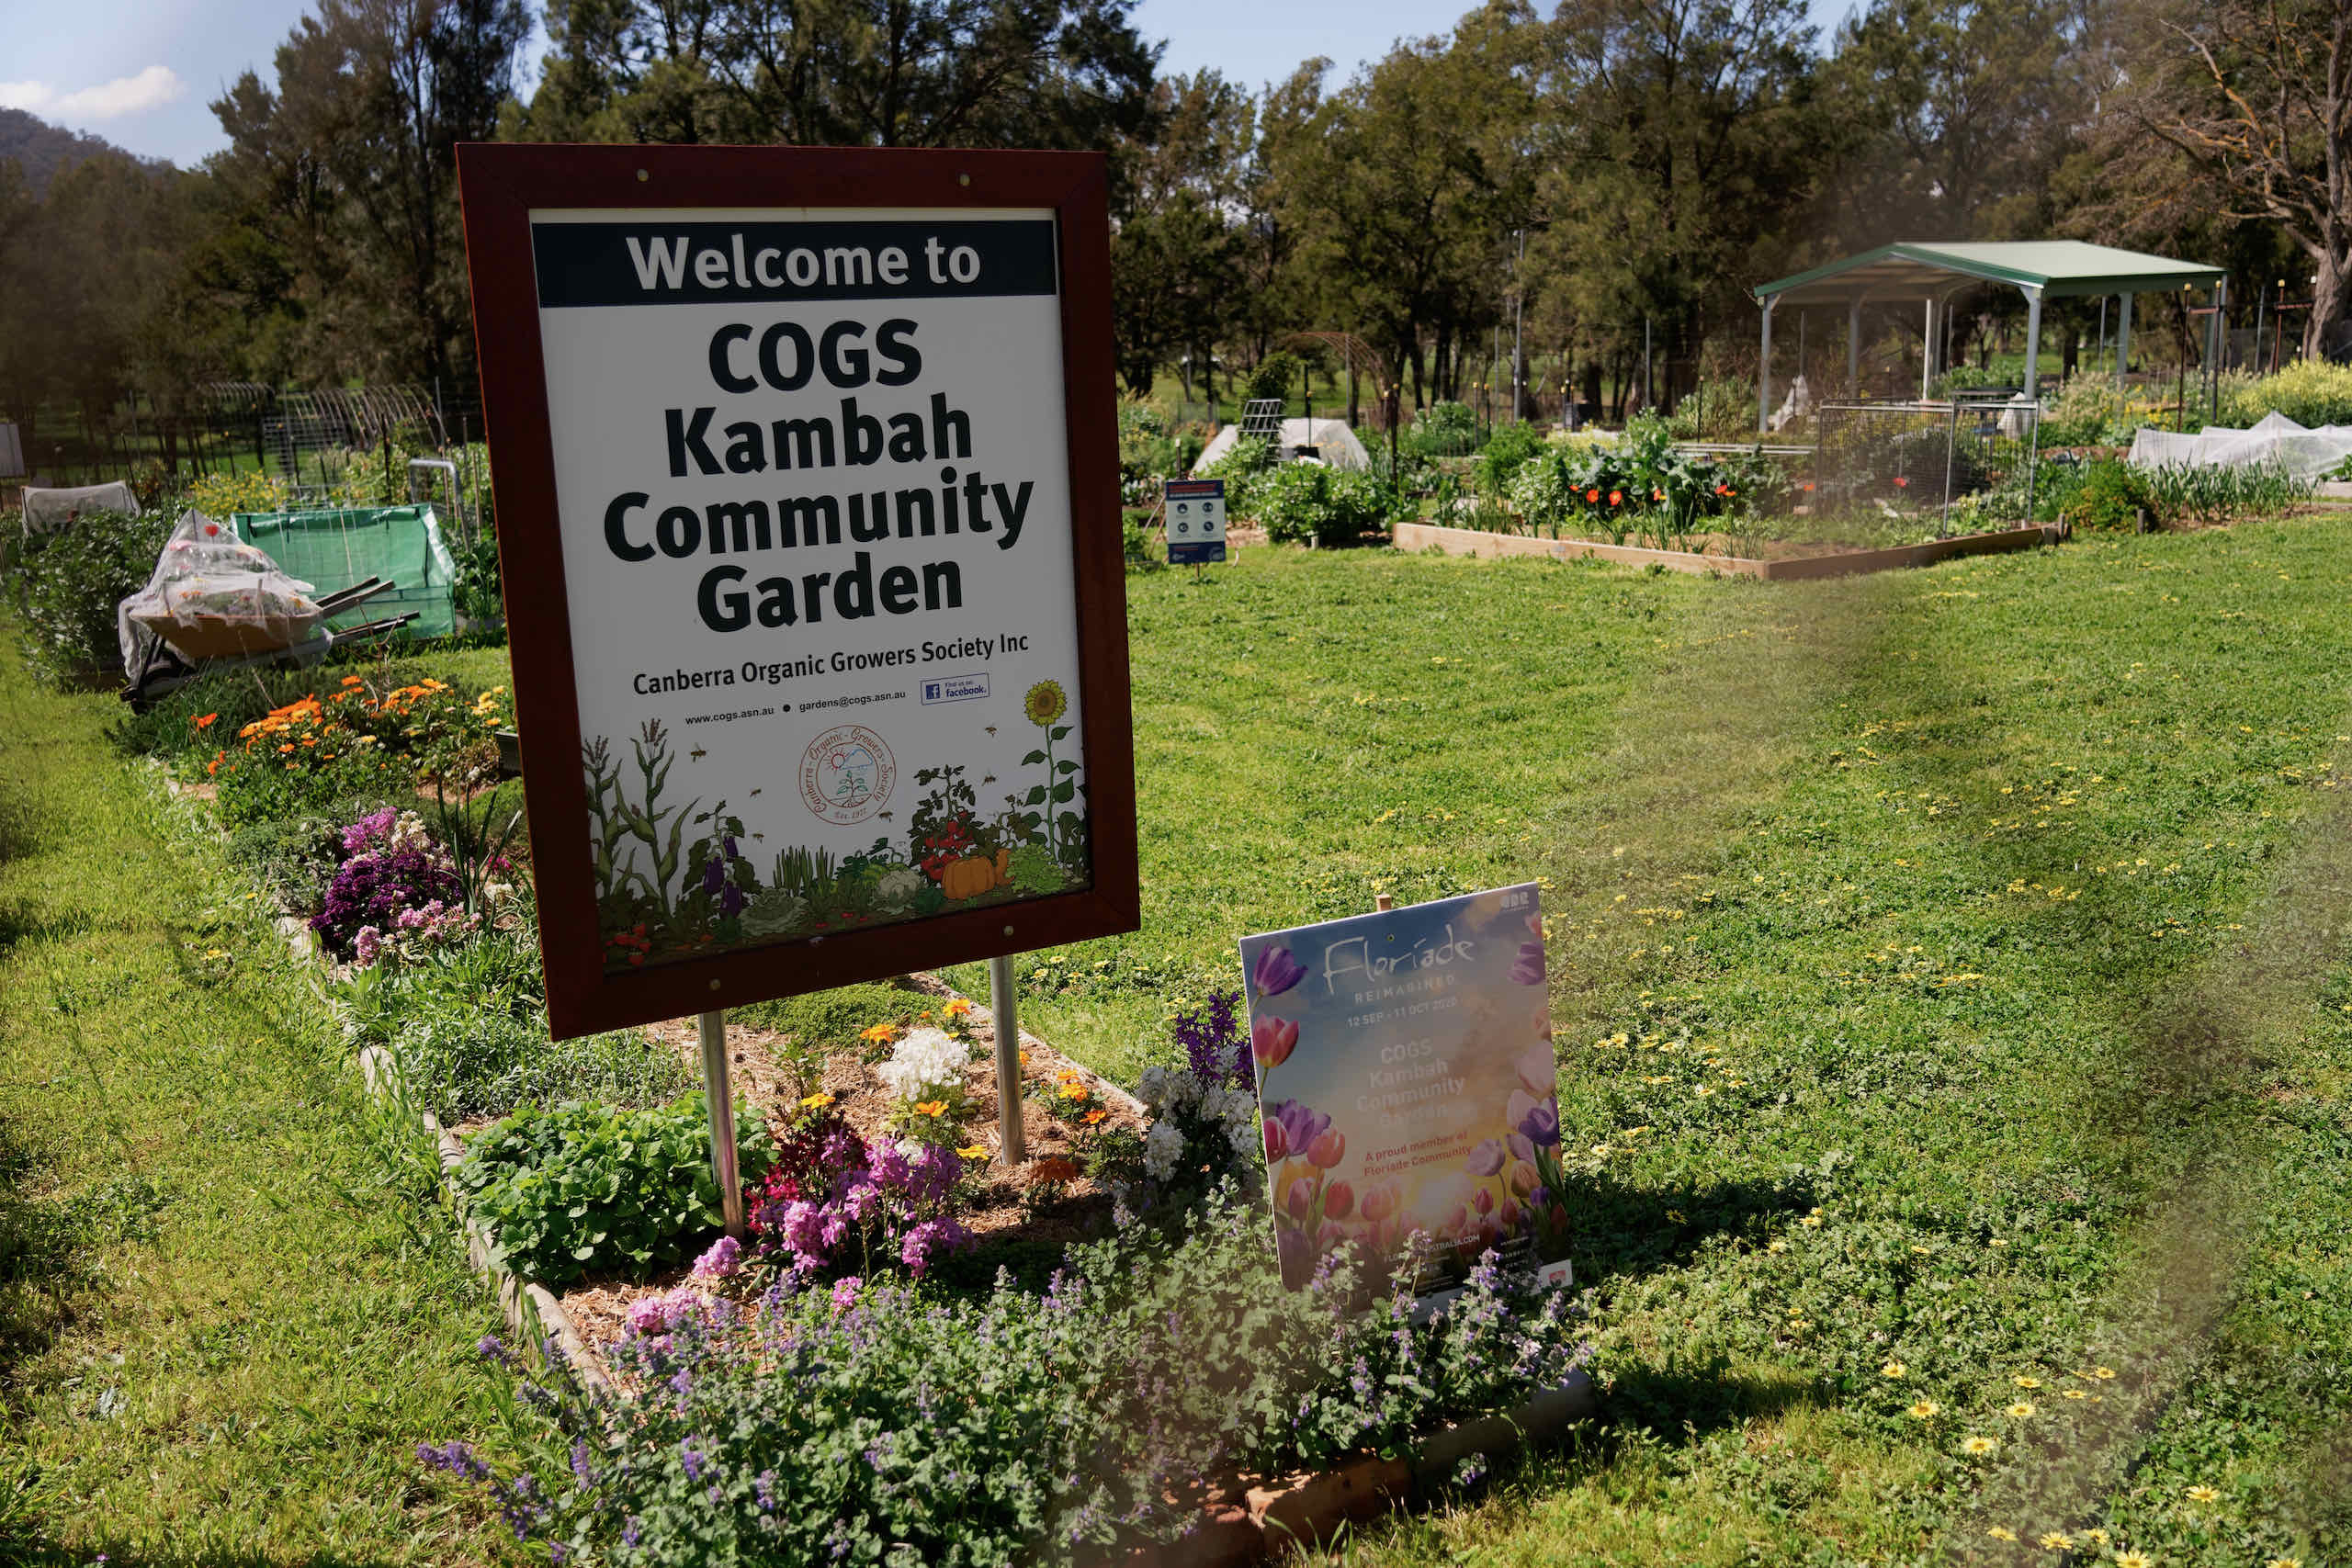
(1475, 542)
(1246, 1523)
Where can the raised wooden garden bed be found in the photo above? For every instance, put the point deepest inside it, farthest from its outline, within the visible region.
(1476, 542)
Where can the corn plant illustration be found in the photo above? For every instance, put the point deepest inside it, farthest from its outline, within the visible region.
(618, 822)
(1044, 706)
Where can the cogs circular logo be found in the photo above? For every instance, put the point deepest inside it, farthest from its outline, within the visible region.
(847, 775)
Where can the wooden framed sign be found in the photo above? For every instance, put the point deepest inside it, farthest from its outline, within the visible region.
(807, 483)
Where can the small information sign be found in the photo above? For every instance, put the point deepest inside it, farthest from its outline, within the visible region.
(1195, 521)
(1406, 1081)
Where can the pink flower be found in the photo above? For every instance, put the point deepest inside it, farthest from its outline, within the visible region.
(1486, 1159)
(1380, 1202)
(722, 1259)
(1327, 1150)
(1482, 1202)
(1338, 1201)
(1300, 1201)
(1538, 1070)
(845, 1290)
(1522, 1180)
(1277, 1141)
(1272, 1040)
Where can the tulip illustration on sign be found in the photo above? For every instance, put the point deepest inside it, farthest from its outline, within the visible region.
(1406, 1082)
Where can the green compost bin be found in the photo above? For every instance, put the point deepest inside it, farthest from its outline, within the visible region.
(331, 550)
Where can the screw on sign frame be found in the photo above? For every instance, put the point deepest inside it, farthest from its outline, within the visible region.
(500, 187)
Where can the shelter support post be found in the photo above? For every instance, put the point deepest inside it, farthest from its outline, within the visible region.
(1013, 1132)
(2033, 344)
(1764, 369)
(2217, 339)
(1854, 349)
(2122, 341)
(1927, 348)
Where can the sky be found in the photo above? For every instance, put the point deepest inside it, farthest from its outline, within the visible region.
(140, 73)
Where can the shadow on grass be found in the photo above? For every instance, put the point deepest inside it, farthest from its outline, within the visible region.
(21, 1549)
(1626, 1231)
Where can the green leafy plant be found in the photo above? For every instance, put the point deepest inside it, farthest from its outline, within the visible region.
(68, 583)
(1509, 446)
(583, 1187)
(1306, 500)
(1274, 375)
(2105, 495)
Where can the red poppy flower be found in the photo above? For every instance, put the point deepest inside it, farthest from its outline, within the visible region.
(1616, 496)
(1902, 484)
(1592, 495)
(1723, 489)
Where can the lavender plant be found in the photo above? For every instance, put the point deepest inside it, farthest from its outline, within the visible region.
(872, 1422)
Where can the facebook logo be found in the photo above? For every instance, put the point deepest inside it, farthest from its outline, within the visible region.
(955, 689)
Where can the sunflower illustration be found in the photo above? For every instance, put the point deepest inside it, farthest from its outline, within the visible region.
(1045, 703)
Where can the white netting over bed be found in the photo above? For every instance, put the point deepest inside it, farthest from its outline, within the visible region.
(1334, 443)
(2274, 439)
(48, 510)
(214, 597)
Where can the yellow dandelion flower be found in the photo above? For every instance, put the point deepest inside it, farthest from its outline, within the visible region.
(1810, 1221)
(2002, 1532)
(2020, 1410)
(975, 1151)
(2073, 1393)
(1893, 1369)
(816, 1101)
(2103, 1373)
(2284, 1563)
(1979, 1446)
(2096, 1536)
(2026, 1382)
(2204, 1495)
(2055, 1540)
(2134, 1559)
(1777, 1245)
(1926, 1409)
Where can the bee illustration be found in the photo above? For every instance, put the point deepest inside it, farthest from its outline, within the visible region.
(698, 753)
(992, 728)
(755, 793)
(887, 815)
(761, 837)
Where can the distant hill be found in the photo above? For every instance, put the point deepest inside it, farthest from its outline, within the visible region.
(47, 150)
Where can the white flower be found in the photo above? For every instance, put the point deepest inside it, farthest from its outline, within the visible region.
(1152, 1086)
(924, 1065)
(1243, 1136)
(1162, 1147)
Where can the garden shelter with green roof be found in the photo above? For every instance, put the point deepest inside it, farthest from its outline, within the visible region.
(1931, 272)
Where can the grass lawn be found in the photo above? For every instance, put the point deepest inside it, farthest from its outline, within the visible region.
(228, 1310)
(1946, 972)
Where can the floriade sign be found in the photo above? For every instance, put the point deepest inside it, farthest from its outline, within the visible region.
(1406, 1085)
(807, 504)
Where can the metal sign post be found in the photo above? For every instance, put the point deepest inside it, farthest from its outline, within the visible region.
(719, 1097)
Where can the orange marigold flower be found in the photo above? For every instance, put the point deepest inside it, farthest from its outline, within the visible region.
(932, 1107)
(1054, 1170)
(204, 721)
(1095, 1115)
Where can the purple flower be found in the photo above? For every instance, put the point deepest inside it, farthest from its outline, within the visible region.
(722, 1259)
(1215, 1046)
(1276, 970)
(1486, 1159)
(692, 1457)
(1521, 1146)
(1528, 969)
(1301, 1124)
(457, 1458)
(1542, 1125)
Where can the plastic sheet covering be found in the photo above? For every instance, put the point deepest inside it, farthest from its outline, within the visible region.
(340, 547)
(2274, 439)
(1332, 438)
(213, 596)
(46, 511)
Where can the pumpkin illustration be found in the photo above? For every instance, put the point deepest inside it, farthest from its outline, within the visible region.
(1003, 868)
(969, 877)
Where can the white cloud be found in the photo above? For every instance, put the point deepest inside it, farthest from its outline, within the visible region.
(152, 88)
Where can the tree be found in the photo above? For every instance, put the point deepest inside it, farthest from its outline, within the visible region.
(1175, 251)
(2254, 96)
(345, 176)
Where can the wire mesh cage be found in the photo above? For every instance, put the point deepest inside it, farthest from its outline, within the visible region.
(1918, 459)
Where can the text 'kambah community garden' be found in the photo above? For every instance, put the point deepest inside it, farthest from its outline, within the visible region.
(907, 786)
